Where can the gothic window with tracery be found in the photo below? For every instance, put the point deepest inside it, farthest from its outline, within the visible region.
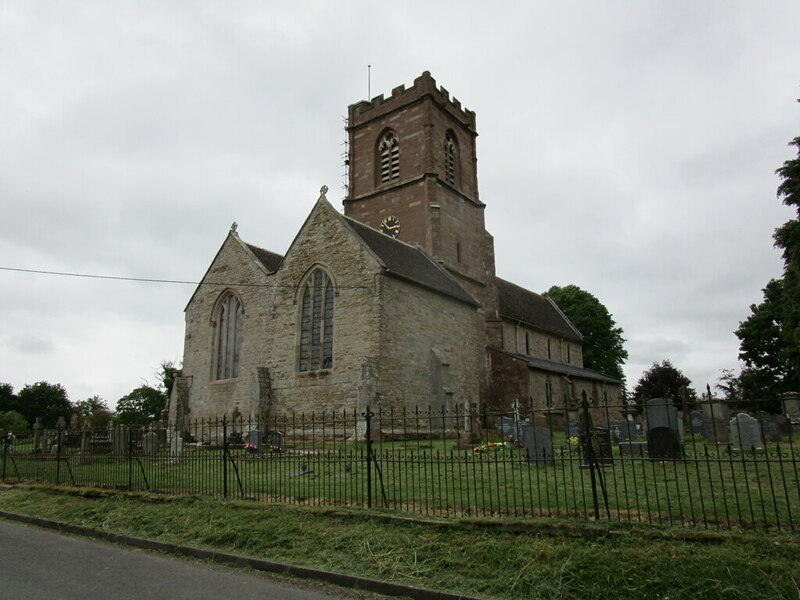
(229, 337)
(389, 155)
(316, 322)
(450, 158)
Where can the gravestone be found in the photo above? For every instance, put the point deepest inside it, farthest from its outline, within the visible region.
(573, 429)
(120, 437)
(661, 413)
(176, 445)
(630, 448)
(698, 423)
(507, 428)
(769, 427)
(538, 445)
(150, 443)
(276, 442)
(601, 448)
(37, 435)
(745, 433)
(254, 437)
(664, 443)
(504, 426)
(622, 430)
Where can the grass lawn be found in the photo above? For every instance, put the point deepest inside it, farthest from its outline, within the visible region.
(492, 558)
(713, 487)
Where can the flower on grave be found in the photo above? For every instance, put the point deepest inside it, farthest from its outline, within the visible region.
(574, 441)
(250, 448)
(274, 448)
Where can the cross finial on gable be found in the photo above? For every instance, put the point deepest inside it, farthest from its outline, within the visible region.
(234, 227)
(322, 191)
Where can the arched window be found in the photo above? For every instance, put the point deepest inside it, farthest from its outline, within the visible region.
(316, 322)
(450, 158)
(229, 337)
(389, 156)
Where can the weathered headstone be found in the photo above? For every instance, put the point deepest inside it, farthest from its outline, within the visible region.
(120, 436)
(504, 426)
(630, 448)
(769, 427)
(622, 430)
(745, 432)
(661, 413)
(597, 444)
(664, 443)
(254, 437)
(573, 429)
(538, 445)
(37, 435)
(276, 441)
(150, 443)
(698, 423)
(176, 445)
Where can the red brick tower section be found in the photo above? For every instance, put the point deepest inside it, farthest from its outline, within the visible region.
(412, 157)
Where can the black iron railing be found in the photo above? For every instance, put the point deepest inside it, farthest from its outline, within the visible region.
(654, 464)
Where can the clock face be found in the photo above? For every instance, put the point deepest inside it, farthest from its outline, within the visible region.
(391, 226)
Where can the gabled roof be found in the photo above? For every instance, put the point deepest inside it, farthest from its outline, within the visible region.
(539, 311)
(411, 263)
(270, 260)
(550, 366)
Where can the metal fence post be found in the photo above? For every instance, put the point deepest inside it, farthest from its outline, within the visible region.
(6, 443)
(130, 458)
(589, 449)
(368, 416)
(224, 456)
(60, 430)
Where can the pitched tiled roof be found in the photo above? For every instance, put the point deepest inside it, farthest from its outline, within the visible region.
(270, 260)
(410, 262)
(520, 304)
(560, 368)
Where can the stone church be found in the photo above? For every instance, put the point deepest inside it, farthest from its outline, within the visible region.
(392, 304)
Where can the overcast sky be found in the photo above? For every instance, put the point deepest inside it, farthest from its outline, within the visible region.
(625, 147)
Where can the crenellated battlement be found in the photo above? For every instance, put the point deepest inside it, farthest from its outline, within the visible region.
(424, 85)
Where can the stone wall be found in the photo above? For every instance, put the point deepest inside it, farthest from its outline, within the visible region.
(431, 350)
(326, 241)
(233, 265)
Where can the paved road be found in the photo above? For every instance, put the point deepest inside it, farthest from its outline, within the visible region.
(39, 564)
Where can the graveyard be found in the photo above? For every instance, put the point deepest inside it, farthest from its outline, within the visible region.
(660, 468)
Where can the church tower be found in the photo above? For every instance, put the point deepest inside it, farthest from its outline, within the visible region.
(413, 175)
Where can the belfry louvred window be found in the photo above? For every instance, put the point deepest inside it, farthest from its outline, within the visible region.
(450, 154)
(229, 337)
(389, 155)
(316, 323)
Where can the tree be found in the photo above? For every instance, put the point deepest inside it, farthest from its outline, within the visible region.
(46, 400)
(768, 367)
(141, 407)
(769, 339)
(95, 409)
(12, 421)
(603, 344)
(787, 238)
(665, 381)
(8, 399)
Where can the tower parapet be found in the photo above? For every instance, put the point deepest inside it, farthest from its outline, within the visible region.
(424, 85)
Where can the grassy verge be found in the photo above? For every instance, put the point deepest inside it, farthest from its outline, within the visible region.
(531, 559)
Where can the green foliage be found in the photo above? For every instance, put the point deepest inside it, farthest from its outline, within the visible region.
(46, 400)
(8, 399)
(665, 381)
(770, 336)
(603, 344)
(95, 409)
(141, 407)
(13, 421)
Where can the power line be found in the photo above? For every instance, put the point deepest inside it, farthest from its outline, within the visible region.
(172, 281)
